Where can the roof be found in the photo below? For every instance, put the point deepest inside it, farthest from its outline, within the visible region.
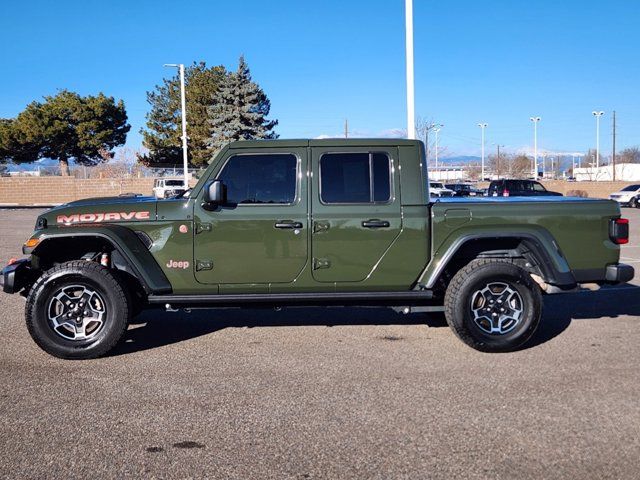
(326, 142)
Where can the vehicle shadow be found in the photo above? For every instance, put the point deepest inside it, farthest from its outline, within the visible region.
(156, 328)
(602, 305)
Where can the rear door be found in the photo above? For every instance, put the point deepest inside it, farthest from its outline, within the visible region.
(355, 205)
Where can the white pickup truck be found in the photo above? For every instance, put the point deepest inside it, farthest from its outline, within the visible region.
(168, 187)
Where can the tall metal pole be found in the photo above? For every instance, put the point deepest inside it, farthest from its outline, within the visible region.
(535, 121)
(614, 146)
(183, 106)
(183, 112)
(597, 115)
(411, 116)
(482, 127)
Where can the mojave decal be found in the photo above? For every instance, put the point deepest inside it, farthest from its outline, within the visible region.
(101, 217)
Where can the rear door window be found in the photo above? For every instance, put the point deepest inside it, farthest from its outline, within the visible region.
(355, 178)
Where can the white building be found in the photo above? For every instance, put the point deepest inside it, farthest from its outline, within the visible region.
(447, 174)
(627, 172)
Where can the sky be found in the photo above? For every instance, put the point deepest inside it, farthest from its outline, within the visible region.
(498, 61)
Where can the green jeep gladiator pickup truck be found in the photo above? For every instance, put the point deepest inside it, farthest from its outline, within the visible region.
(312, 222)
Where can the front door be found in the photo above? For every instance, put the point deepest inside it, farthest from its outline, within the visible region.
(260, 235)
(355, 210)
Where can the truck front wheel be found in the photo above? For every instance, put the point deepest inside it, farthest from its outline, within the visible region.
(77, 310)
(493, 305)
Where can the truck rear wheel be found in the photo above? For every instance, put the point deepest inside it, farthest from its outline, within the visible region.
(493, 305)
(77, 310)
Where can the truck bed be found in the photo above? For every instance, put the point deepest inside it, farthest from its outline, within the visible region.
(578, 228)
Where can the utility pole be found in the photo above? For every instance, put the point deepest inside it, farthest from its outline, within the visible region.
(614, 146)
(411, 116)
(346, 128)
(183, 111)
(482, 127)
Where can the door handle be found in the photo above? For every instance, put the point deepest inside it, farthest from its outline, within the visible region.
(374, 223)
(288, 224)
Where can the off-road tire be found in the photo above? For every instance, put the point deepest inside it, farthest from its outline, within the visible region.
(95, 277)
(469, 282)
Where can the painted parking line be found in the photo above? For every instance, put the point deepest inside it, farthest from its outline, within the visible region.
(630, 260)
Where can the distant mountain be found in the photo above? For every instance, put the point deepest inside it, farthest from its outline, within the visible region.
(459, 160)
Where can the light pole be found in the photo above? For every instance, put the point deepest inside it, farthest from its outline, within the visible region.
(482, 127)
(437, 130)
(597, 114)
(411, 116)
(535, 121)
(183, 112)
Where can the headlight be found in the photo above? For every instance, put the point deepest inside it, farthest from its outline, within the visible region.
(41, 223)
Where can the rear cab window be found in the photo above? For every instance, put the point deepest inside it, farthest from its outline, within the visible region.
(355, 178)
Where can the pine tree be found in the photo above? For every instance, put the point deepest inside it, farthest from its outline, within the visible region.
(163, 132)
(239, 110)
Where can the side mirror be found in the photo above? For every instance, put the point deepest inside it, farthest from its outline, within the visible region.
(215, 193)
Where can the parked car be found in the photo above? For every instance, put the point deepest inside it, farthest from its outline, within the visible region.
(463, 190)
(438, 190)
(359, 229)
(519, 188)
(628, 196)
(168, 187)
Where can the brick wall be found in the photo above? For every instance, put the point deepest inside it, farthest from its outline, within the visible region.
(593, 189)
(29, 191)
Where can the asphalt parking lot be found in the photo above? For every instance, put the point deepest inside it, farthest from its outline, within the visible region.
(326, 393)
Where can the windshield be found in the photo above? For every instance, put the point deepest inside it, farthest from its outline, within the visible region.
(174, 183)
(436, 185)
(630, 188)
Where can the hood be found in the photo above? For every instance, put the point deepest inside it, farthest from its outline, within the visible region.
(103, 210)
(125, 199)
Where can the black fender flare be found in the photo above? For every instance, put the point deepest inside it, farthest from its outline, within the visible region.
(125, 241)
(554, 267)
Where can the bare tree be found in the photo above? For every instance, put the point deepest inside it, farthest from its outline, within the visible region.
(472, 171)
(424, 132)
(520, 166)
(629, 155)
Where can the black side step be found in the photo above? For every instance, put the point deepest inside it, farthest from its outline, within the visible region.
(308, 299)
